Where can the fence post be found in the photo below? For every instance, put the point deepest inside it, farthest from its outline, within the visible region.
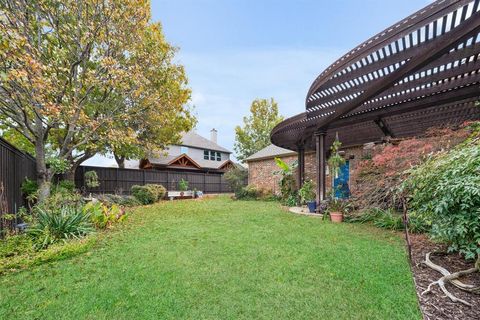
(204, 184)
(82, 179)
(144, 180)
(116, 181)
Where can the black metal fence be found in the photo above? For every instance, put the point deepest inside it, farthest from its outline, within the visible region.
(120, 181)
(15, 167)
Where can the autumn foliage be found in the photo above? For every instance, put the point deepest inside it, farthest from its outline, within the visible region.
(377, 176)
(79, 78)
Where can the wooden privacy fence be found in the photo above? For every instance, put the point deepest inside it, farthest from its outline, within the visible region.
(120, 181)
(15, 167)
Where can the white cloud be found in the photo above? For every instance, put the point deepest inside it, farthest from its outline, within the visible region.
(224, 83)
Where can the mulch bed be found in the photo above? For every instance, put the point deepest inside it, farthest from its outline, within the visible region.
(435, 305)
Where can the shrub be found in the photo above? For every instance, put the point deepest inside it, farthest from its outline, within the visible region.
(15, 245)
(183, 185)
(266, 195)
(66, 185)
(60, 197)
(158, 190)
(103, 216)
(143, 194)
(307, 192)
(376, 179)
(91, 179)
(149, 193)
(291, 200)
(64, 223)
(446, 191)
(247, 193)
(29, 187)
(287, 182)
(121, 200)
(29, 190)
(236, 179)
(389, 219)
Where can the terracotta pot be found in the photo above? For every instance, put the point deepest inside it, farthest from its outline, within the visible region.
(336, 217)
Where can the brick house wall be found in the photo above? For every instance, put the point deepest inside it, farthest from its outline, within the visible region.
(261, 173)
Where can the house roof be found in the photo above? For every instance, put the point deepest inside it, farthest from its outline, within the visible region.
(193, 139)
(166, 160)
(268, 152)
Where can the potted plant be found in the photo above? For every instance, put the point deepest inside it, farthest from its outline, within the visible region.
(183, 186)
(336, 209)
(336, 160)
(307, 195)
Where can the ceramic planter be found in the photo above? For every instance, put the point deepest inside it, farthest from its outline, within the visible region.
(336, 216)
(312, 206)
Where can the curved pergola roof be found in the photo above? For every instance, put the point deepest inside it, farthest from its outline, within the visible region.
(423, 71)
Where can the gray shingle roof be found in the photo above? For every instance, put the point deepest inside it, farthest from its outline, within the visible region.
(192, 139)
(270, 151)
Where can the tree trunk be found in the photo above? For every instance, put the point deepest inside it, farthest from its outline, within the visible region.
(120, 161)
(44, 176)
(70, 174)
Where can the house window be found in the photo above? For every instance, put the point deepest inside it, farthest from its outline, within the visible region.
(206, 154)
(219, 157)
(212, 155)
(184, 150)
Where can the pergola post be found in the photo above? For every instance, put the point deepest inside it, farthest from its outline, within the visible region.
(321, 164)
(301, 165)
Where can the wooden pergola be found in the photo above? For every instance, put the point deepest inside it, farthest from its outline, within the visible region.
(422, 72)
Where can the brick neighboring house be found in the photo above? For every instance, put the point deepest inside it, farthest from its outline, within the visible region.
(262, 167)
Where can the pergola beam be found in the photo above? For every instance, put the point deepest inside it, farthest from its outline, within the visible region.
(383, 126)
(424, 55)
(428, 59)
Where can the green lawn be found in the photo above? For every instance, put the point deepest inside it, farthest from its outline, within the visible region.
(221, 259)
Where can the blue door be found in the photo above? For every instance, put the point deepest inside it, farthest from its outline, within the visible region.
(342, 189)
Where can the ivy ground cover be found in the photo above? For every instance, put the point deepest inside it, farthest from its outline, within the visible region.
(221, 259)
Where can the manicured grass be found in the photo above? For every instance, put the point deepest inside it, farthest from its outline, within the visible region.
(221, 259)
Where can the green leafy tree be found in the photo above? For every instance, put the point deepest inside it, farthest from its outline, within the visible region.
(255, 133)
(84, 77)
(17, 139)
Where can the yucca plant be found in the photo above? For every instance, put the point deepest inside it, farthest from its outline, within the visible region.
(52, 226)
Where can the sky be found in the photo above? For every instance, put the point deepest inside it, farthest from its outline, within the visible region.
(235, 51)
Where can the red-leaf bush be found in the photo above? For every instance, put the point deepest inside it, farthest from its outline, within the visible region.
(377, 178)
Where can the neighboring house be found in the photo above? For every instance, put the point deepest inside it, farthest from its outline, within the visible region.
(194, 153)
(262, 169)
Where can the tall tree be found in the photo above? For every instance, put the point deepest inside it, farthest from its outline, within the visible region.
(255, 133)
(74, 72)
(158, 114)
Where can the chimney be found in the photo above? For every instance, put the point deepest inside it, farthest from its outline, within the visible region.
(213, 135)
